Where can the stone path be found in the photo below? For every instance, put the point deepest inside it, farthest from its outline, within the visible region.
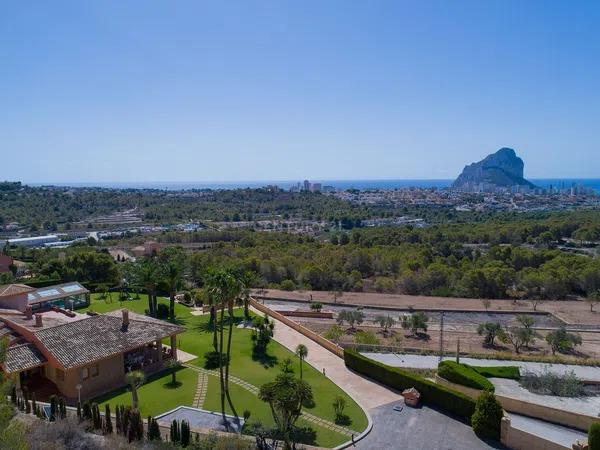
(366, 392)
(201, 389)
(254, 390)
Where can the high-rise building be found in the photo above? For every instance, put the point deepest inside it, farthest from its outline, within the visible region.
(306, 185)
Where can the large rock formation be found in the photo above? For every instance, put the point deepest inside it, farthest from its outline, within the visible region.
(501, 169)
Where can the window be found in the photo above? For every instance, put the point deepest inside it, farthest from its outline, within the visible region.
(60, 375)
(94, 370)
(85, 373)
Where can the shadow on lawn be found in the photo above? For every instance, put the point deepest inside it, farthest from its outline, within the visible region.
(209, 327)
(266, 360)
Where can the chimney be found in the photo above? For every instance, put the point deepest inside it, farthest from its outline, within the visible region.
(28, 313)
(38, 321)
(125, 319)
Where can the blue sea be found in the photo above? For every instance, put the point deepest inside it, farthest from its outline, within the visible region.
(593, 183)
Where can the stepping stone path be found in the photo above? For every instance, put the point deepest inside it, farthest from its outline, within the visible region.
(254, 390)
(201, 389)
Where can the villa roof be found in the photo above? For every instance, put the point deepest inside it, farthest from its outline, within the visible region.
(23, 357)
(81, 342)
(14, 289)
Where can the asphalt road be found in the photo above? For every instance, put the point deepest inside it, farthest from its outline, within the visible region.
(419, 429)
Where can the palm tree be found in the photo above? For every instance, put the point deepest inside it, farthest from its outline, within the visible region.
(173, 275)
(301, 352)
(224, 288)
(147, 276)
(135, 379)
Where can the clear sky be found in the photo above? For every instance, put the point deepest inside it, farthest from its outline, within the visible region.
(226, 90)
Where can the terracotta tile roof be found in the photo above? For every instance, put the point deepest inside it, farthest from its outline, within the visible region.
(87, 340)
(13, 289)
(23, 357)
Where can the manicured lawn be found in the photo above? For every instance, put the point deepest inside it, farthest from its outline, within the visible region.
(158, 395)
(260, 412)
(156, 398)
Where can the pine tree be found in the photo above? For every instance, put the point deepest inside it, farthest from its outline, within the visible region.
(108, 428)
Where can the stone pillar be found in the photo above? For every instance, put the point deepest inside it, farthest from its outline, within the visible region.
(159, 347)
(174, 346)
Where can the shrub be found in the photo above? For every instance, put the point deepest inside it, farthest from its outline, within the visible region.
(211, 360)
(431, 393)
(510, 372)
(594, 437)
(162, 311)
(487, 416)
(550, 383)
(366, 337)
(464, 375)
(287, 285)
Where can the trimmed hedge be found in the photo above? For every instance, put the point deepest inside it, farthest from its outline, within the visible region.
(510, 372)
(594, 436)
(486, 420)
(464, 375)
(396, 378)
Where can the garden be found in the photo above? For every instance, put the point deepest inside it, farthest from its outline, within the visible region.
(322, 423)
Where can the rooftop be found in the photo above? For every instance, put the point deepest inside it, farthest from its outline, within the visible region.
(55, 292)
(23, 357)
(14, 289)
(83, 341)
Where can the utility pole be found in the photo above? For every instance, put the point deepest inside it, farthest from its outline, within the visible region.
(441, 336)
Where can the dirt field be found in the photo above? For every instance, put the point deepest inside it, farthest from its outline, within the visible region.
(571, 312)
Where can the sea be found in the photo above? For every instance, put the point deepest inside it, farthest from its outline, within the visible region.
(593, 183)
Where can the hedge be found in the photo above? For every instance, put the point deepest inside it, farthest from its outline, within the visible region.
(594, 437)
(396, 378)
(464, 375)
(510, 372)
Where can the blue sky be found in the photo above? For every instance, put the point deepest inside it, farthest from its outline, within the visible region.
(277, 90)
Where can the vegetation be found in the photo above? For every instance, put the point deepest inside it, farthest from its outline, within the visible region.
(490, 331)
(594, 436)
(551, 383)
(431, 393)
(562, 341)
(355, 317)
(302, 353)
(285, 397)
(464, 375)
(415, 322)
(510, 372)
(487, 416)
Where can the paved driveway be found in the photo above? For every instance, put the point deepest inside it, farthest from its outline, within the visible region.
(419, 429)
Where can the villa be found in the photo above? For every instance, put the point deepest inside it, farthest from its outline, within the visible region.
(58, 351)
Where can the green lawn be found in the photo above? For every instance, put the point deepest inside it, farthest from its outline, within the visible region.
(158, 395)
(156, 398)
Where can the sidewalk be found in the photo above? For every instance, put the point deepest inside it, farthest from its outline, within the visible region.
(368, 393)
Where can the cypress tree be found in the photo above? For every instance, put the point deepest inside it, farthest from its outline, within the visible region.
(34, 406)
(174, 432)
(87, 411)
(153, 430)
(62, 408)
(108, 428)
(118, 422)
(125, 418)
(53, 408)
(96, 417)
(13, 396)
(27, 405)
(79, 411)
(185, 433)
(135, 431)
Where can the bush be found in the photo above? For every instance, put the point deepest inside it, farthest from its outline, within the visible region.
(510, 372)
(594, 437)
(162, 311)
(487, 416)
(464, 375)
(211, 360)
(287, 285)
(431, 393)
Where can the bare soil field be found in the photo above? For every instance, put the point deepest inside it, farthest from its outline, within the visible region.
(569, 311)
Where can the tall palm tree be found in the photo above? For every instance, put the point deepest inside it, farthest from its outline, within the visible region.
(301, 352)
(147, 275)
(135, 379)
(223, 288)
(173, 276)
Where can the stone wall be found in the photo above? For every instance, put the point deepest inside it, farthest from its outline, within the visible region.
(516, 439)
